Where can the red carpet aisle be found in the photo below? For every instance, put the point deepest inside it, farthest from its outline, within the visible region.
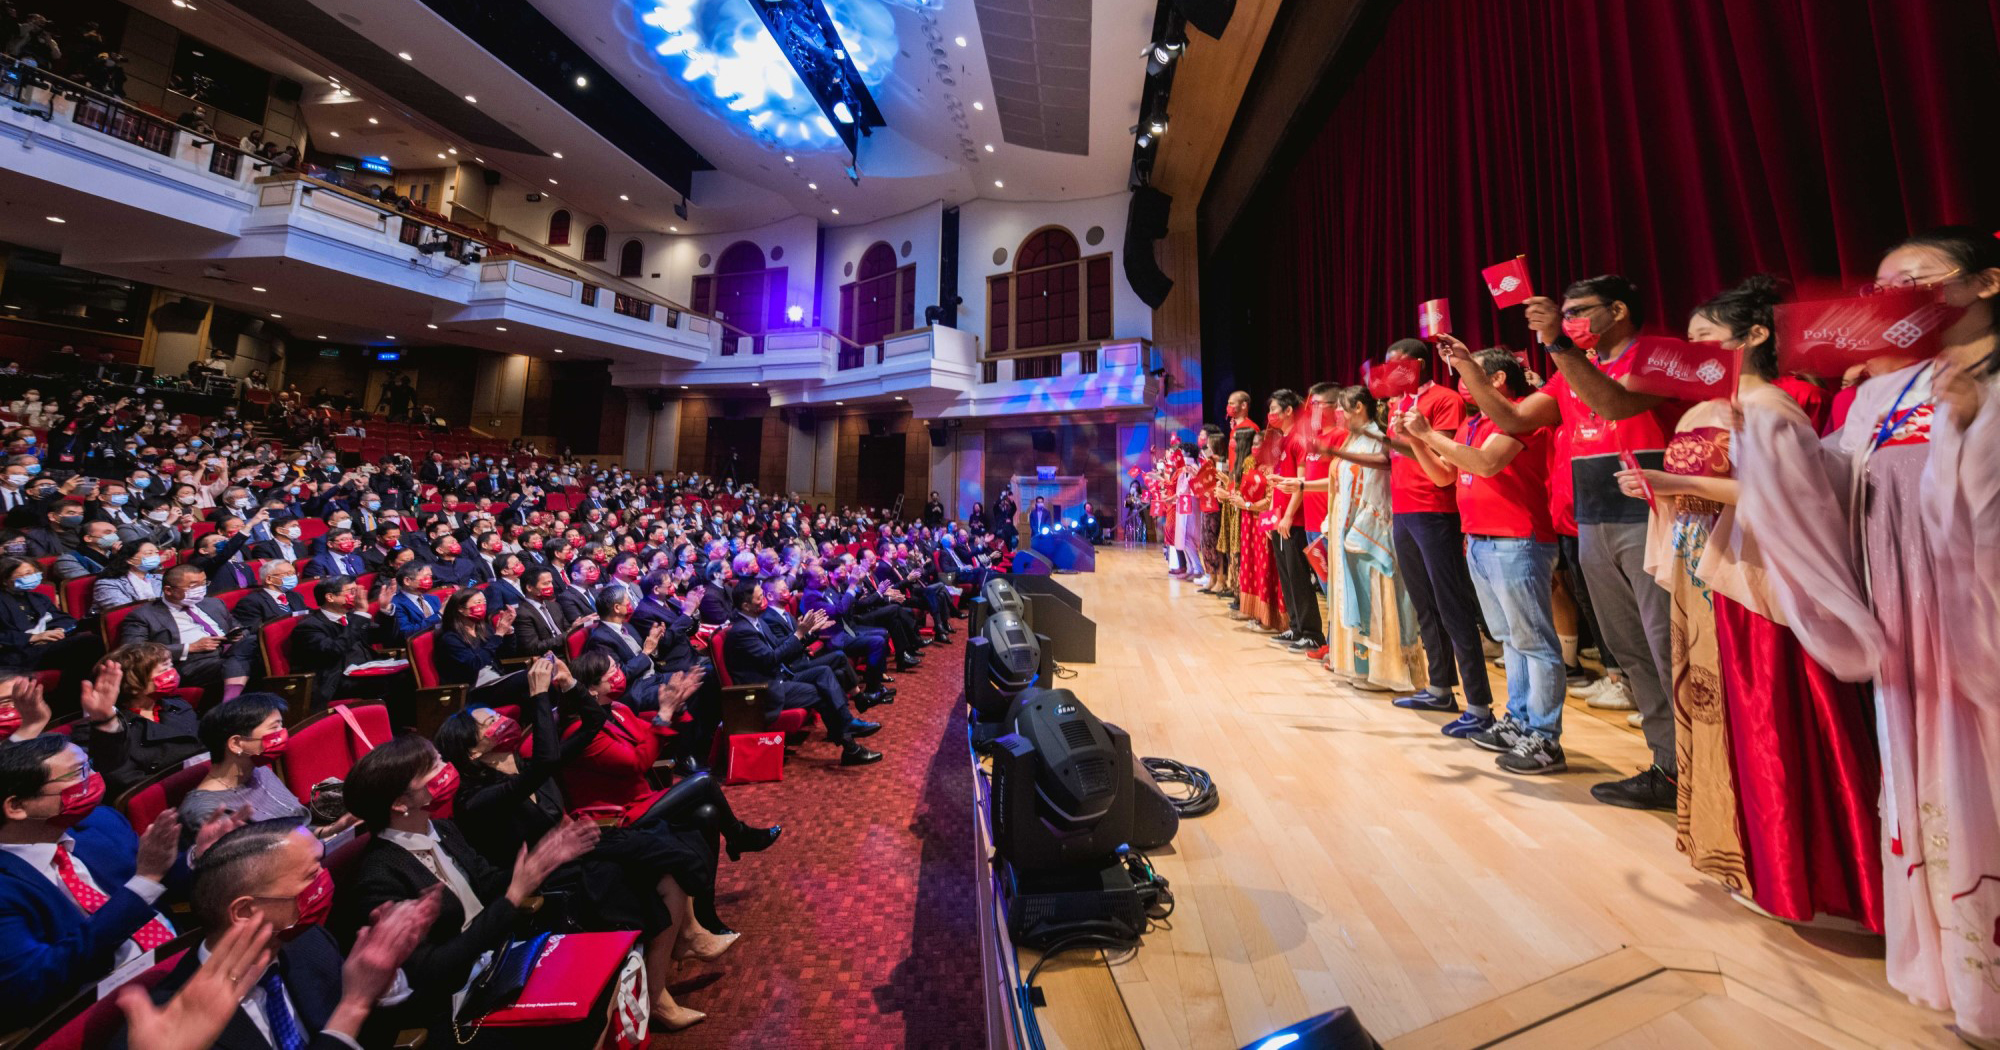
(858, 926)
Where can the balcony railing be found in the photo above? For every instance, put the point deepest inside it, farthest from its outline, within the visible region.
(589, 294)
(126, 124)
(630, 307)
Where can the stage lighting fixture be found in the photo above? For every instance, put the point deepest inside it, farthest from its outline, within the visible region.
(1001, 596)
(1062, 786)
(1004, 660)
(1334, 1030)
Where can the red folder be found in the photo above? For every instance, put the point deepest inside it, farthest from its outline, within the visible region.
(574, 975)
(1682, 370)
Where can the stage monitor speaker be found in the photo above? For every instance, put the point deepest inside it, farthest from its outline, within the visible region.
(1146, 221)
(940, 437)
(1067, 550)
(1333, 1030)
(1044, 440)
(1155, 821)
(1062, 793)
(1057, 614)
(1028, 563)
(1209, 16)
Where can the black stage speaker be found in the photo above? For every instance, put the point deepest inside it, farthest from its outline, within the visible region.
(1333, 1030)
(1067, 550)
(1045, 440)
(492, 177)
(1155, 821)
(1146, 222)
(1062, 793)
(1209, 16)
(1028, 563)
(1057, 614)
(940, 437)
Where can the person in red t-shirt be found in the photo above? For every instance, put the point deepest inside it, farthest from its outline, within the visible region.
(1502, 481)
(1286, 420)
(1430, 548)
(1592, 411)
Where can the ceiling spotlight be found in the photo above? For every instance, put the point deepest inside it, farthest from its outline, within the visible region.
(899, 397)
(335, 134)
(959, 40)
(789, 159)
(322, 337)
(673, 229)
(623, 197)
(842, 113)
(344, 93)
(406, 56)
(453, 150)
(581, 82)
(843, 402)
(980, 106)
(442, 157)
(278, 316)
(431, 326)
(989, 147)
(998, 185)
(258, 288)
(499, 328)
(756, 384)
(472, 100)
(684, 386)
(553, 182)
(479, 160)
(372, 120)
(812, 185)
(391, 338)
(836, 211)
(559, 349)
(1158, 126)
(557, 155)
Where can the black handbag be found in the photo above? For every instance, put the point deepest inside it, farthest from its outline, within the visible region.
(499, 984)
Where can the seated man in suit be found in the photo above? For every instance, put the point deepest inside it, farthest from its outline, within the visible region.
(452, 568)
(416, 610)
(339, 635)
(285, 544)
(544, 623)
(77, 887)
(207, 643)
(778, 617)
(395, 789)
(956, 565)
(99, 542)
(219, 554)
(755, 656)
(340, 558)
(270, 871)
(869, 645)
(275, 599)
(388, 539)
(635, 654)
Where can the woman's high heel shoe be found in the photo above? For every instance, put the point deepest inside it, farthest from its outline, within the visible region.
(745, 839)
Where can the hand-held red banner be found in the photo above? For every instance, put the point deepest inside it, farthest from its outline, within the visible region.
(1388, 379)
(1826, 337)
(1508, 282)
(1682, 370)
(1433, 318)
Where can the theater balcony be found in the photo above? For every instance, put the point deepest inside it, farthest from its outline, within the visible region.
(1104, 377)
(812, 366)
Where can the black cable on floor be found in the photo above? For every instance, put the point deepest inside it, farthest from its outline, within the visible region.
(1201, 795)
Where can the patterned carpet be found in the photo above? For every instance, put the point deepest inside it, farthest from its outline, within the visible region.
(858, 926)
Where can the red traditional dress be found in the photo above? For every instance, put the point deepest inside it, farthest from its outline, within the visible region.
(1258, 595)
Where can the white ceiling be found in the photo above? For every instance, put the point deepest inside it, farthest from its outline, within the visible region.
(932, 149)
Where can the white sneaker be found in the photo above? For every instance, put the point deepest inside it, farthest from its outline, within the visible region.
(1203, 581)
(1613, 695)
(1587, 689)
(1636, 720)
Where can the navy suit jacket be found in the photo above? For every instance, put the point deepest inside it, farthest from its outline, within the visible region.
(328, 563)
(755, 657)
(603, 637)
(52, 948)
(309, 964)
(258, 608)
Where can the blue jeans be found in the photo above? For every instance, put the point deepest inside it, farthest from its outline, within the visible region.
(1512, 578)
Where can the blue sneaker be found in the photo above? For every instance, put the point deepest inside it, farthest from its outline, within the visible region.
(1427, 701)
(1466, 724)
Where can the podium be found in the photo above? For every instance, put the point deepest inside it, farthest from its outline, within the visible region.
(1065, 496)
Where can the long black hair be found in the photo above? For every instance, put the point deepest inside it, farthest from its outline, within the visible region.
(1746, 306)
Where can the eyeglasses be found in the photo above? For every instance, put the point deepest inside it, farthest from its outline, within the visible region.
(1908, 281)
(1574, 312)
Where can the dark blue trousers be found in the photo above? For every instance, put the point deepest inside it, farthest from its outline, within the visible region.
(1430, 557)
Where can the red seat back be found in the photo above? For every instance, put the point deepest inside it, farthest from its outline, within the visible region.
(311, 529)
(423, 658)
(114, 619)
(230, 598)
(715, 653)
(96, 1024)
(276, 639)
(324, 746)
(160, 793)
(76, 595)
(577, 637)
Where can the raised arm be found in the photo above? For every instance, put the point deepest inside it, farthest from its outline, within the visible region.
(1515, 417)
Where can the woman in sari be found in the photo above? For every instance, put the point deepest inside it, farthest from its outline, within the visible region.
(1880, 543)
(1778, 772)
(1375, 646)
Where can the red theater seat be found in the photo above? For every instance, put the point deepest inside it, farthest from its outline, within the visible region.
(163, 791)
(326, 746)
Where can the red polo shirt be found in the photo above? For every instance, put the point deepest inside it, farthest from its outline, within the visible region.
(1515, 501)
(1317, 465)
(1587, 447)
(1288, 465)
(1411, 491)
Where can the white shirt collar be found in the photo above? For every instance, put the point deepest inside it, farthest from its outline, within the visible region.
(412, 840)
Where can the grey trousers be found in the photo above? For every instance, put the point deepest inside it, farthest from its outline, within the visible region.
(1634, 617)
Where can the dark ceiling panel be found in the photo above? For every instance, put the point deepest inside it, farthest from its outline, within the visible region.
(1038, 53)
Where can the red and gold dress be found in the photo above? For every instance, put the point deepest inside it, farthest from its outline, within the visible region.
(1258, 594)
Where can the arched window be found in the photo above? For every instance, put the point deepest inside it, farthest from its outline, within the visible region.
(632, 259)
(593, 244)
(741, 257)
(1054, 297)
(881, 300)
(744, 291)
(559, 227)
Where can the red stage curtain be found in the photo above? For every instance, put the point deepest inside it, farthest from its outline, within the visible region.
(1685, 144)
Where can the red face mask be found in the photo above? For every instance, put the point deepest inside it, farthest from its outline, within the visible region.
(577, 542)
(615, 681)
(78, 800)
(443, 788)
(274, 743)
(477, 610)
(345, 546)
(166, 678)
(505, 734)
(1578, 330)
(315, 901)
(590, 573)
(546, 590)
(10, 720)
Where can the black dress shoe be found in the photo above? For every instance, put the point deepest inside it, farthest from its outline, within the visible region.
(1651, 788)
(746, 839)
(863, 701)
(861, 727)
(856, 755)
(907, 666)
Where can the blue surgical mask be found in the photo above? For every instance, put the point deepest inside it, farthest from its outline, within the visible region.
(30, 439)
(373, 504)
(141, 483)
(34, 468)
(149, 562)
(28, 582)
(195, 442)
(286, 583)
(120, 500)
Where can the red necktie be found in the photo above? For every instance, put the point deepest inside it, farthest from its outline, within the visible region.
(89, 898)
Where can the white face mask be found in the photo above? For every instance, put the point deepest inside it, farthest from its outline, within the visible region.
(157, 515)
(194, 595)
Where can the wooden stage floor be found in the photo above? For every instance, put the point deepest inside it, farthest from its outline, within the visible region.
(1361, 859)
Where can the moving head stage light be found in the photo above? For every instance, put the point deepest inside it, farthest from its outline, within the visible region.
(1002, 661)
(997, 595)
